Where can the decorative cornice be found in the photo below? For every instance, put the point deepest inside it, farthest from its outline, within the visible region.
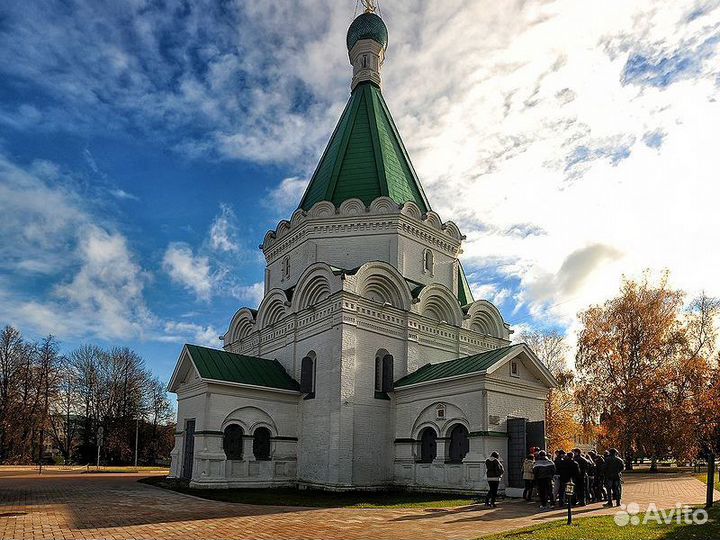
(351, 216)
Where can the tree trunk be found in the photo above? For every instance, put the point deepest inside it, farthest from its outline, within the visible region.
(654, 464)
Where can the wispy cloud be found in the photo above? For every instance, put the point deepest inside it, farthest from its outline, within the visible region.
(251, 294)
(211, 268)
(94, 285)
(189, 270)
(570, 140)
(188, 77)
(123, 195)
(223, 231)
(195, 333)
(282, 199)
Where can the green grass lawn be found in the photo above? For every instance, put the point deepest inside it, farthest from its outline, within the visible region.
(316, 498)
(605, 528)
(703, 478)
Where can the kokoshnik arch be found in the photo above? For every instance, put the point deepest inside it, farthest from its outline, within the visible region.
(368, 363)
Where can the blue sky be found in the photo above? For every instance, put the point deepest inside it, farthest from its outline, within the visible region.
(146, 147)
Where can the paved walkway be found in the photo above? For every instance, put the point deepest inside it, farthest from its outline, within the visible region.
(116, 506)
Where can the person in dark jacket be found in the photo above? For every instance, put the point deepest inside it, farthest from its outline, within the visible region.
(591, 471)
(568, 470)
(494, 471)
(543, 471)
(614, 467)
(599, 486)
(559, 454)
(580, 490)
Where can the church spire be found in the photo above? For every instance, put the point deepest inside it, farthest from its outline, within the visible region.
(367, 41)
(365, 158)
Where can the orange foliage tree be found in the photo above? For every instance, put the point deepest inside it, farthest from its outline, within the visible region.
(644, 368)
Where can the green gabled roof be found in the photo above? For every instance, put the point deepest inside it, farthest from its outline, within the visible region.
(453, 368)
(238, 368)
(365, 157)
(465, 295)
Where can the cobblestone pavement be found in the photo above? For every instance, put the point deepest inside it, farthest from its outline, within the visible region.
(116, 506)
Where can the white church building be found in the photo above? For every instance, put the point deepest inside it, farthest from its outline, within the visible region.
(368, 364)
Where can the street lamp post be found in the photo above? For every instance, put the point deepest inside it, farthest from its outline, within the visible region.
(99, 444)
(569, 492)
(137, 428)
(710, 480)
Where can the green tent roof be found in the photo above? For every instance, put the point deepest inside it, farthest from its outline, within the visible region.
(238, 368)
(453, 368)
(365, 157)
(465, 295)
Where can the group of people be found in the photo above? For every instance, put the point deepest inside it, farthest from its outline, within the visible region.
(596, 477)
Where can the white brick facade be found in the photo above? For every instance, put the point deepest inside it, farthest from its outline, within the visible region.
(342, 298)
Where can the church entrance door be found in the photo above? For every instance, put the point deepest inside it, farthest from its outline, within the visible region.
(189, 449)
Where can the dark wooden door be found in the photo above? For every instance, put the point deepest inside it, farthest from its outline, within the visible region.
(517, 450)
(189, 449)
(536, 436)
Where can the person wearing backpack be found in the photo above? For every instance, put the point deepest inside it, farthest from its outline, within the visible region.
(494, 471)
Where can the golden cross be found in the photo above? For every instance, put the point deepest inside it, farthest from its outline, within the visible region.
(370, 5)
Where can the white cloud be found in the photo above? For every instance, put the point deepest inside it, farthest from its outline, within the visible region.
(195, 333)
(251, 294)
(191, 271)
(542, 128)
(285, 197)
(108, 286)
(40, 214)
(533, 136)
(223, 231)
(122, 194)
(94, 284)
(491, 292)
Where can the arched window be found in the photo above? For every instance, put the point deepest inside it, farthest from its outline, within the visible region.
(428, 445)
(233, 442)
(307, 375)
(459, 443)
(261, 444)
(384, 377)
(428, 261)
(286, 267)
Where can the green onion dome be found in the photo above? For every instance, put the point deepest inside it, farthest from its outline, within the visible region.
(367, 26)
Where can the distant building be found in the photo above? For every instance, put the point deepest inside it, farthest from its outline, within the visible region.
(368, 364)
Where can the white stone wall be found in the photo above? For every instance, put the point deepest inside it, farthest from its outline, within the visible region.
(345, 437)
(352, 235)
(472, 401)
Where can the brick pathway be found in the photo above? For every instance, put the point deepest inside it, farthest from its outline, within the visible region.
(67, 506)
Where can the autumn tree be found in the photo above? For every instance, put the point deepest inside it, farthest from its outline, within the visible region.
(641, 359)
